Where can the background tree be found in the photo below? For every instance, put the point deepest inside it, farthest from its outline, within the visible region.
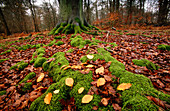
(7, 32)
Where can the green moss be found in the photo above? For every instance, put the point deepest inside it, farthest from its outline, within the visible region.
(78, 41)
(2, 60)
(77, 29)
(51, 43)
(27, 86)
(73, 35)
(70, 50)
(63, 37)
(131, 34)
(20, 65)
(87, 41)
(139, 103)
(57, 37)
(113, 44)
(39, 61)
(59, 43)
(164, 47)
(28, 77)
(7, 51)
(93, 43)
(145, 35)
(144, 62)
(52, 31)
(40, 50)
(2, 92)
(59, 30)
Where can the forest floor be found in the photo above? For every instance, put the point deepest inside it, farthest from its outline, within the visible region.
(131, 44)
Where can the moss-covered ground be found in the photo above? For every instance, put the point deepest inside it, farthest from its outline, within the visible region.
(24, 60)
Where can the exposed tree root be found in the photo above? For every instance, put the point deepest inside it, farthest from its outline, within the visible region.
(74, 26)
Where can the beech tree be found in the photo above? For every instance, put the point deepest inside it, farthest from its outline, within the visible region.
(71, 18)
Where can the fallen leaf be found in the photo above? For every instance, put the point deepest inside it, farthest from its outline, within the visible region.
(81, 90)
(56, 91)
(107, 78)
(124, 86)
(86, 98)
(41, 77)
(90, 66)
(100, 70)
(104, 101)
(67, 67)
(116, 107)
(90, 56)
(69, 82)
(47, 98)
(63, 66)
(86, 71)
(76, 67)
(100, 82)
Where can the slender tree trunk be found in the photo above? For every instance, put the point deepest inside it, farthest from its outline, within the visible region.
(117, 6)
(36, 29)
(88, 12)
(7, 32)
(96, 10)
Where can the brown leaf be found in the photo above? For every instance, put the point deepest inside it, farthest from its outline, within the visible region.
(104, 101)
(160, 83)
(69, 82)
(17, 103)
(95, 108)
(47, 98)
(33, 97)
(107, 78)
(86, 98)
(41, 77)
(124, 86)
(116, 107)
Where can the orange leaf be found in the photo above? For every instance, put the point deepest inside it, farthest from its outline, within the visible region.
(47, 98)
(86, 98)
(104, 101)
(69, 82)
(67, 67)
(100, 70)
(81, 90)
(124, 86)
(76, 67)
(41, 77)
(101, 82)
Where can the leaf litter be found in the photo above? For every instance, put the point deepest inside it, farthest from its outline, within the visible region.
(129, 48)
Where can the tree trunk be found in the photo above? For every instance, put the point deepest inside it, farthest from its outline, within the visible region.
(117, 6)
(163, 11)
(71, 18)
(36, 29)
(96, 10)
(7, 32)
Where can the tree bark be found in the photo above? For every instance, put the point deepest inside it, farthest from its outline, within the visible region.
(33, 16)
(163, 11)
(7, 32)
(71, 18)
